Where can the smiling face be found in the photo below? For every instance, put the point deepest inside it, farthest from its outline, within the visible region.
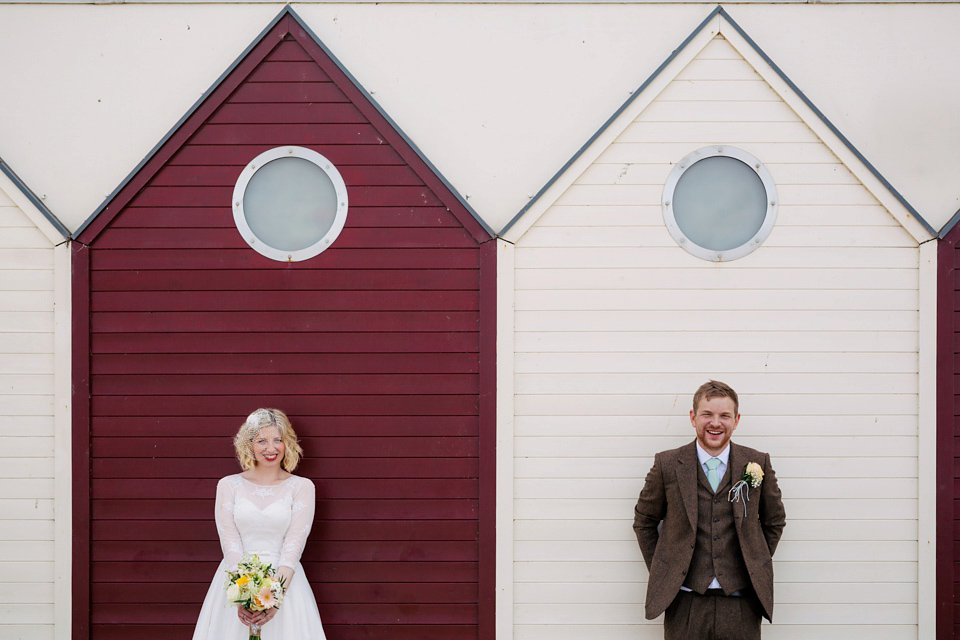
(268, 447)
(715, 421)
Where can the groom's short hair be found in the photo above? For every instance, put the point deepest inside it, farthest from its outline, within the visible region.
(716, 389)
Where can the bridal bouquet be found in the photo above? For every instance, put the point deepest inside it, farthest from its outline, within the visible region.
(253, 587)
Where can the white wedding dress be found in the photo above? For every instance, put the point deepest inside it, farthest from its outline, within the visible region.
(273, 522)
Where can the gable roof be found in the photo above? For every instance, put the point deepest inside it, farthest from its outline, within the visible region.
(31, 205)
(719, 22)
(287, 24)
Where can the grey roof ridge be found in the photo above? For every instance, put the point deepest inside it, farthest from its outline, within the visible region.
(34, 199)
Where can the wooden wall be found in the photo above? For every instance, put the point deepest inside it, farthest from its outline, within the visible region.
(616, 326)
(27, 427)
(374, 349)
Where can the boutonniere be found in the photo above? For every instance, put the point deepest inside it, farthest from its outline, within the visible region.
(752, 477)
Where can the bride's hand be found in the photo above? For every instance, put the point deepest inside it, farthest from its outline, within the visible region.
(251, 618)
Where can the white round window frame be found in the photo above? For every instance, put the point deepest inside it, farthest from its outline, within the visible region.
(692, 247)
(284, 255)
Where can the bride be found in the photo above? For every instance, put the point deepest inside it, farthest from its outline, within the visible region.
(268, 511)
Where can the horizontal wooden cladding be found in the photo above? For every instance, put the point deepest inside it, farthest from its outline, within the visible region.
(289, 301)
(318, 571)
(347, 509)
(312, 467)
(191, 594)
(277, 135)
(227, 175)
(150, 384)
(289, 363)
(333, 405)
(246, 258)
(284, 321)
(320, 447)
(287, 71)
(421, 281)
(360, 196)
(345, 631)
(341, 613)
(229, 238)
(323, 530)
(288, 113)
(240, 154)
(364, 489)
(288, 92)
(180, 217)
(272, 342)
(347, 551)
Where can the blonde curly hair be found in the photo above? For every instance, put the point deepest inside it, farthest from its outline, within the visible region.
(243, 442)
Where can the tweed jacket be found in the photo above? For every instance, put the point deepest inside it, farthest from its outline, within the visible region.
(669, 496)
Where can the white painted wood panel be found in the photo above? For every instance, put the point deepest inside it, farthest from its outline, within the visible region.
(27, 434)
(819, 329)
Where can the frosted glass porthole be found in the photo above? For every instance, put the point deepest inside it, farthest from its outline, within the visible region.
(719, 203)
(290, 203)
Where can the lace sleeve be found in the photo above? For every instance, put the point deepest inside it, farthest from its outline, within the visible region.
(230, 540)
(304, 503)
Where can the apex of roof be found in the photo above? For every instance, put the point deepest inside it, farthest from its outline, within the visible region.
(719, 22)
(287, 24)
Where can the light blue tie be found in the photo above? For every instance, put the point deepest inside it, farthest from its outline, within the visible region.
(712, 477)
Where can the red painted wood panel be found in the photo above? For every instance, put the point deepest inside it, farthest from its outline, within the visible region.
(290, 363)
(273, 342)
(948, 470)
(374, 348)
(423, 281)
(388, 258)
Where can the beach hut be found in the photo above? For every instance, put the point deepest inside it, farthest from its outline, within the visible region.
(718, 225)
(285, 245)
(34, 404)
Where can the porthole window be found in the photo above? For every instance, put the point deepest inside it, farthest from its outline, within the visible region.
(290, 203)
(719, 203)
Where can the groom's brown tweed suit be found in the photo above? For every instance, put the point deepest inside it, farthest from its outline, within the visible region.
(703, 533)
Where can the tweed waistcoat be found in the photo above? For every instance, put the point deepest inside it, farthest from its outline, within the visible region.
(717, 549)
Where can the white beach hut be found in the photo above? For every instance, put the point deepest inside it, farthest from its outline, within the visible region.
(35, 506)
(616, 303)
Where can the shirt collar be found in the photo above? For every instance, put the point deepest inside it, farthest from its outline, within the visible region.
(703, 456)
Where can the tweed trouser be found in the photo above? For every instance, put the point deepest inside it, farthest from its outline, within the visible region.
(712, 617)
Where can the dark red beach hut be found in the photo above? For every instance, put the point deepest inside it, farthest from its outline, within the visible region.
(380, 347)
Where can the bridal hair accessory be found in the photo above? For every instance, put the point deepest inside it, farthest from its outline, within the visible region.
(261, 418)
(752, 477)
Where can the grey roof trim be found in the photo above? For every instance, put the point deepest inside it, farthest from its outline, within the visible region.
(951, 223)
(34, 200)
(286, 10)
(720, 10)
(616, 114)
(390, 121)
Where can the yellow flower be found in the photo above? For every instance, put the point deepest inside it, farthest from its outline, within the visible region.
(242, 580)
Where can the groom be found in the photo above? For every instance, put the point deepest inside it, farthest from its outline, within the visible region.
(707, 538)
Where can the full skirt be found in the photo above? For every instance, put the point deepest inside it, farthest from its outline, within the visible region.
(297, 619)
